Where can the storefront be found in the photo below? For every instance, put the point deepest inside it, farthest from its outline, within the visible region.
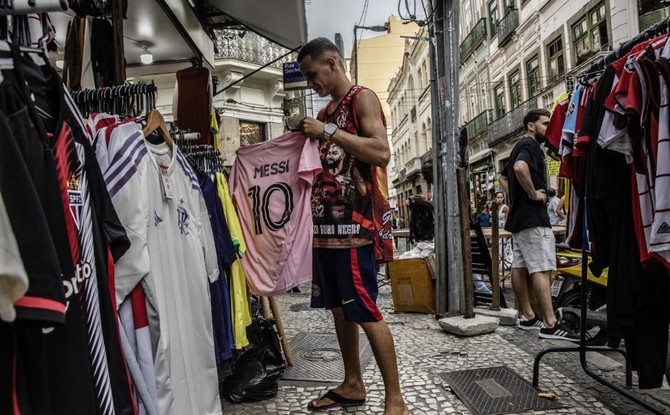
(482, 178)
(126, 249)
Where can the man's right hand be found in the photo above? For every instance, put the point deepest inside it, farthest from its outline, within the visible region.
(538, 196)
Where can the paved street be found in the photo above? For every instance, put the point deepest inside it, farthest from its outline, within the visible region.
(424, 351)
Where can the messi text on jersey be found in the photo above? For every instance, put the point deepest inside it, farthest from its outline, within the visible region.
(271, 169)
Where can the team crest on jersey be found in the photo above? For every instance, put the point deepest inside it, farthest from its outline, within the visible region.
(182, 218)
(630, 65)
(75, 198)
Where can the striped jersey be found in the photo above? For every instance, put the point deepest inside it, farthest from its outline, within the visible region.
(172, 256)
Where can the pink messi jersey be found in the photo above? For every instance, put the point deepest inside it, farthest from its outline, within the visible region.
(271, 183)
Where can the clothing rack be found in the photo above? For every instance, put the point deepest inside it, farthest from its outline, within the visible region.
(657, 29)
(202, 157)
(185, 135)
(126, 100)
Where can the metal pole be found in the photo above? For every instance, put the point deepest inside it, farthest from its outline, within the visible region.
(495, 258)
(119, 53)
(464, 207)
(449, 155)
(437, 69)
(355, 55)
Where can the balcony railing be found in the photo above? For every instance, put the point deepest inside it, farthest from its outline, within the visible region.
(251, 48)
(472, 41)
(479, 124)
(413, 166)
(507, 27)
(402, 175)
(510, 123)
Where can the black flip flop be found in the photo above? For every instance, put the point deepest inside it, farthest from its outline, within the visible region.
(339, 401)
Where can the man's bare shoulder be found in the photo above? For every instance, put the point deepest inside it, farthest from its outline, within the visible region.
(367, 103)
(367, 94)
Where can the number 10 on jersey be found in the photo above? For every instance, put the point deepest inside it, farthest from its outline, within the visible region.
(261, 208)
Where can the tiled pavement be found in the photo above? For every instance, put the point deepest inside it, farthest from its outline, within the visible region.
(423, 352)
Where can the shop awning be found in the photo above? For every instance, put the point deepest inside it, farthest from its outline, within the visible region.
(282, 21)
(505, 153)
(479, 156)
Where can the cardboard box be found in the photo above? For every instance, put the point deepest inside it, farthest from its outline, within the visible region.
(412, 287)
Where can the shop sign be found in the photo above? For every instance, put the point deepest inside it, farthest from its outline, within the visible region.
(293, 78)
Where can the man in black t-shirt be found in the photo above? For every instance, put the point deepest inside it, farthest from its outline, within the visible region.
(532, 237)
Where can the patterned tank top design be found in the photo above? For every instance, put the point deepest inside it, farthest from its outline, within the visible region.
(342, 193)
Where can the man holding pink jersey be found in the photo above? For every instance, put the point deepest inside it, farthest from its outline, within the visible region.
(352, 135)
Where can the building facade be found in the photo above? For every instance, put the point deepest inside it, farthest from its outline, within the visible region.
(475, 93)
(409, 101)
(251, 110)
(375, 60)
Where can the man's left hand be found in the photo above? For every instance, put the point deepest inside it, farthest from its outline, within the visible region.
(311, 127)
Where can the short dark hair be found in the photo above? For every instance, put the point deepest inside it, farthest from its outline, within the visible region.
(551, 192)
(534, 115)
(499, 192)
(316, 48)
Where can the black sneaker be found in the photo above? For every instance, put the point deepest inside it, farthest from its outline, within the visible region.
(559, 332)
(532, 324)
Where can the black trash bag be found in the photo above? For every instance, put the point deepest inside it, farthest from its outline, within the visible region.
(258, 367)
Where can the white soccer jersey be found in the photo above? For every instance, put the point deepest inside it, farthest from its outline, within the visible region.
(271, 183)
(660, 229)
(13, 277)
(172, 255)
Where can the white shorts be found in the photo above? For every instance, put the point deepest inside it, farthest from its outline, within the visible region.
(534, 249)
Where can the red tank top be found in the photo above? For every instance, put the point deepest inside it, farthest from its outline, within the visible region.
(350, 197)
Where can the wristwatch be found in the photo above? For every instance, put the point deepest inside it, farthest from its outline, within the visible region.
(329, 130)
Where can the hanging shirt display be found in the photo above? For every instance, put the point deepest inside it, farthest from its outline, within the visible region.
(85, 347)
(220, 294)
(271, 183)
(172, 255)
(620, 177)
(238, 284)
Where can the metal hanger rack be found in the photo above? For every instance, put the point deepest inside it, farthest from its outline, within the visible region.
(125, 100)
(598, 67)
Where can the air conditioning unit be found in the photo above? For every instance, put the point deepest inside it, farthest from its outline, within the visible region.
(649, 19)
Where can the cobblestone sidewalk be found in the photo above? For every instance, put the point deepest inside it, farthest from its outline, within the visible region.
(423, 352)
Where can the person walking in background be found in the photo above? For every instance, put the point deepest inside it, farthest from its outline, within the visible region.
(345, 269)
(503, 209)
(561, 206)
(555, 215)
(484, 217)
(505, 242)
(532, 237)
